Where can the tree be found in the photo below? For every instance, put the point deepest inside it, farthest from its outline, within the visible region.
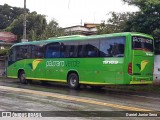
(8, 14)
(37, 27)
(102, 28)
(36, 23)
(11, 19)
(3, 21)
(116, 23)
(147, 19)
(52, 30)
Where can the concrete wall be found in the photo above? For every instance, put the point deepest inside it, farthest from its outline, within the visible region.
(3, 57)
(2, 67)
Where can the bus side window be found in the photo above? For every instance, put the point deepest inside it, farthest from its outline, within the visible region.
(40, 52)
(121, 50)
(72, 52)
(112, 47)
(69, 51)
(82, 50)
(53, 50)
(63, 51)
(93, 48)
(115, 49)
(21, 51)
(36, 51)
(118, 46)
(106, 48)
(71, 48)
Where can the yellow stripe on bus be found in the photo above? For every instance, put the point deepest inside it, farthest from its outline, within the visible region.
(139, 82)
(57, 80)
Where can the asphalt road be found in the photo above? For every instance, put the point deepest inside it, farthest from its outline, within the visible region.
(59, 101)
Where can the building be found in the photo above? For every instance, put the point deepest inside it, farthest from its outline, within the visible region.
(87, 29)
(7, 37)
(6, 40)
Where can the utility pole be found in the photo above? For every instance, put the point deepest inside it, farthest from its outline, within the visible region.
(24, 23)
(68, 4)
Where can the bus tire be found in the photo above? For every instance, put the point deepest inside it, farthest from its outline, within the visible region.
(73, 81)
(22, 77)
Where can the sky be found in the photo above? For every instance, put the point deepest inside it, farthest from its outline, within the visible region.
(73, 12)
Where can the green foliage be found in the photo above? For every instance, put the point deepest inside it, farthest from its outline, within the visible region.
(116, 23)
(3, 21)
(4, 51)
(8, 14)
(102, 29)
(52, 30)
(147, 19)
(36, 23)
(156, 34)
(16, 26)
(12, 18)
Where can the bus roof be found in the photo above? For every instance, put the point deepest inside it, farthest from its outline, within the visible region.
(80, 37)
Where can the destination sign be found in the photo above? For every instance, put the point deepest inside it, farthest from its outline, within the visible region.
(142, 39)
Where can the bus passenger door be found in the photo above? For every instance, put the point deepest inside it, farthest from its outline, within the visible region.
(52, 61)
(38, 63)
(38, 68)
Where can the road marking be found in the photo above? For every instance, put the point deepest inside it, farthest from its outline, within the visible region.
(73, 98)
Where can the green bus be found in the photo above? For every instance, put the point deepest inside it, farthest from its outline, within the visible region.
(98, 60)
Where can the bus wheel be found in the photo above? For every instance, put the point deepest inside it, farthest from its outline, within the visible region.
(73, 81)
(22, 77)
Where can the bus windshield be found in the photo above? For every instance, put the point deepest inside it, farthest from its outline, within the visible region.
(142, 43)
